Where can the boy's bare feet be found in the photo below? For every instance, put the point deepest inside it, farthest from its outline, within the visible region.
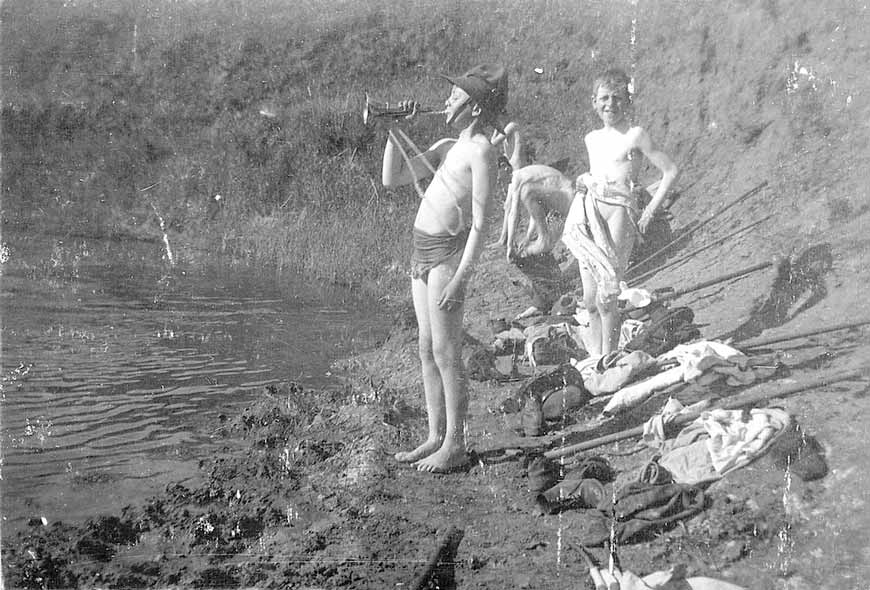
(424, 450)
(537, 246)
(444, 460)
(500, 243)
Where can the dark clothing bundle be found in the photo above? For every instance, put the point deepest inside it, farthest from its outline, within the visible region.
(640, 509)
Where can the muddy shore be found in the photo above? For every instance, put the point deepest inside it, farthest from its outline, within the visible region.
(307, 494)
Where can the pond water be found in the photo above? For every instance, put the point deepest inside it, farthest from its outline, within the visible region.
(117, 366)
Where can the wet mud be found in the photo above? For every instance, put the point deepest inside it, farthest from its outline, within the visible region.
(306, 493)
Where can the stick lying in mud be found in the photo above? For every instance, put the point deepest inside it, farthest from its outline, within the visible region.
(721, 279)
(637, 280)
(693, 228)
(728, 404)
(440, 572)
(761, 342)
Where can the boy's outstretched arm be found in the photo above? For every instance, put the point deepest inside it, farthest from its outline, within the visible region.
(669, 171)
(483, 179)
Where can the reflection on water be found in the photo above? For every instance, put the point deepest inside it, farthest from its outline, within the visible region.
(114, 370)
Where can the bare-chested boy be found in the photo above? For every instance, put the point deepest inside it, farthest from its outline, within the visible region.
(604, 220)
(448, 235)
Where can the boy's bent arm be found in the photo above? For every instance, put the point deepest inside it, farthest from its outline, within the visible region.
(397, 171)
(483, 179)
(669, 171)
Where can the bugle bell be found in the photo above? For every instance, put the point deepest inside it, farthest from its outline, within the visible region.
(386, 110)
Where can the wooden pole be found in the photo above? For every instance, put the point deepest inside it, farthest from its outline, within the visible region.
(758, 343)
(696, 251)
(683, 235)
(439, 571)
(728, 404)
(699, 225)
(723, 278)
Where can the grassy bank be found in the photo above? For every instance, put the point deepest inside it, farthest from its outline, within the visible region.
(122, 119)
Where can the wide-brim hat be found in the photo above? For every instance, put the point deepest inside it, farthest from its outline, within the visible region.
(486, 84)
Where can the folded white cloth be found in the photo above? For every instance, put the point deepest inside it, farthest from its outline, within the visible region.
(721, 441)
(735, 439)
(698, 358)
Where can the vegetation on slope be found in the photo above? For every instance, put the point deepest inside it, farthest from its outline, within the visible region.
(120, 116)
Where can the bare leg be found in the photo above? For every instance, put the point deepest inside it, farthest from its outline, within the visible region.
(432, 386)
(511, 215)
(503, 236)
(611, 322)
(446, 331)
(624, 234)
(537, 228)
(590, 300)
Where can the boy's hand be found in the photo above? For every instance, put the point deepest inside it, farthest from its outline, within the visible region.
(410, 107)
(401, 111)
(644, 221)
(452, 296)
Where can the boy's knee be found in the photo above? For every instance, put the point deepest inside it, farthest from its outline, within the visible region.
(590, 302)
(444, 353)
(425, 347)
(608, 307)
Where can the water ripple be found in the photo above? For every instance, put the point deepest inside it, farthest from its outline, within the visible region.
(122, 370)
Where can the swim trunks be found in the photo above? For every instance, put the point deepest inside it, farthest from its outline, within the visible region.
(432, 250)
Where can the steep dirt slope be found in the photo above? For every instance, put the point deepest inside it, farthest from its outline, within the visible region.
(739, 93)
(770, 92)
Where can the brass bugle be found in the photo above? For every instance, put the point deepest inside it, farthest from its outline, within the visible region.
(387, 110)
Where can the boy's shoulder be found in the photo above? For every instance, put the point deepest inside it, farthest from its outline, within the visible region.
(475, 144)
(446, 142)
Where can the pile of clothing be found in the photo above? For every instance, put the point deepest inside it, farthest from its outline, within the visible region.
(704, 362)
(634, 510)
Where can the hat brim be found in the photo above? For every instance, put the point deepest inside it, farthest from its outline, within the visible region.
(479, 91)
(479, 94)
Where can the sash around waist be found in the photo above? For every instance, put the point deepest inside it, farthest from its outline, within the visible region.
(614, 194)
